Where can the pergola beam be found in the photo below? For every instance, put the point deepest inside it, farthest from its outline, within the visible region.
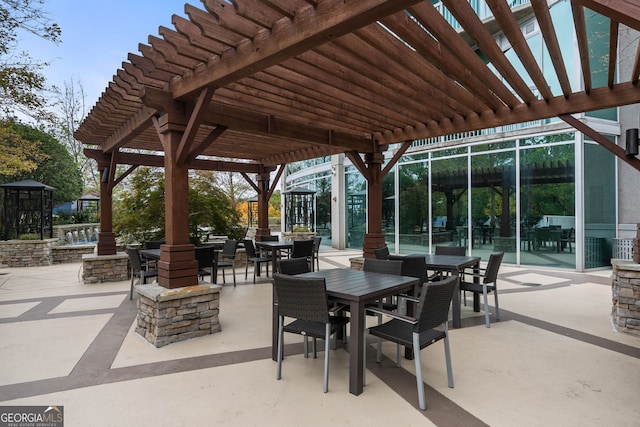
(125, 158)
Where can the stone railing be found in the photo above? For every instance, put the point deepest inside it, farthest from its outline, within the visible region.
(625, 288)
(74, 233)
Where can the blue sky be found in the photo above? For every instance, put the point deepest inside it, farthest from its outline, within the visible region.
(97, 37)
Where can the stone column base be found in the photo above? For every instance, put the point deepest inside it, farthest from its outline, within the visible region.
(625, 288)
(356, 263)
(105, 268)
(170, 315)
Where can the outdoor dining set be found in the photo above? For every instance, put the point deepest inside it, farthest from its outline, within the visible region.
(410, 295)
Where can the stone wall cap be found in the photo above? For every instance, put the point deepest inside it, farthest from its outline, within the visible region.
(156, 292)
(94, 257)
(625, 264)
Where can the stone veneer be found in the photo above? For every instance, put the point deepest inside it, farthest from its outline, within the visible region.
(170, 315)
(105, 268)
(356, 263)
(69, 254)
(39, 253)
(289, 236)
(26, 253)
(625, 287)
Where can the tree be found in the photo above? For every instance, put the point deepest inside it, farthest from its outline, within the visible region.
(54, 164)
(139, 211)
(210, 208)
(72, 111)
(234, 186)
(17, 155)
(138, 208)
(21, 80)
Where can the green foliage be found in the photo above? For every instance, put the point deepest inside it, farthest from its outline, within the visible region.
(138, 210)
(17, 154)
(21, 80)
(139, 215)
(79, 217)
(29, 236)
(55, 166)
(211, 208)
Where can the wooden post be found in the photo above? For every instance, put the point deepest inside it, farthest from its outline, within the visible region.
(106, 238)
(263, 206)
(177, 266)
(374, 238)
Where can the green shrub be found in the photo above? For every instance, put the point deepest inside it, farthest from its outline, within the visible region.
(29, 236)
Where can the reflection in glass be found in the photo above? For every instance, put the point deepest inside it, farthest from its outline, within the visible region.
(547, 205)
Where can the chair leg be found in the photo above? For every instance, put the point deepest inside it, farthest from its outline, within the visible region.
(419, 382)
(495, 297)
(447, 355)
(486, 306)
(280, 346)
(131, 291)
(398, 361)
(246, 270)
(233, 268)
(326, 356)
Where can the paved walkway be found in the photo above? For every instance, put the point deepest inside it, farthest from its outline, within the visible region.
(553, 360)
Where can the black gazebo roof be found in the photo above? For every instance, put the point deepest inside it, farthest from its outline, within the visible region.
(28, 184)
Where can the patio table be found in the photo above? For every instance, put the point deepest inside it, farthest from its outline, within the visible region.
(455, 264)
(354, 288)
(274, 246)
(153, 254)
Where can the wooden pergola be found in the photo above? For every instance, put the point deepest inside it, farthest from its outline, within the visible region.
(268, 82)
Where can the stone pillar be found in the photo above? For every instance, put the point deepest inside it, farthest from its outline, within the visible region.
(105, 268)
(167, 316)
(625, 288)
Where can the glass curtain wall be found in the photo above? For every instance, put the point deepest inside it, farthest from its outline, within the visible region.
(547, 201)
(599, 206)
(413, 199)
(321, 183)
(469, 197)
(450, 197)
(389, 210)
(356, 214)
(493, 200)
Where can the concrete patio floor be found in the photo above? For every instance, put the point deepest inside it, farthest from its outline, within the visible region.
(553, 360)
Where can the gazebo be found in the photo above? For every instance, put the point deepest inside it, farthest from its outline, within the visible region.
(28, 209)
(88, 201)
(252, 86)
(299, 209)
